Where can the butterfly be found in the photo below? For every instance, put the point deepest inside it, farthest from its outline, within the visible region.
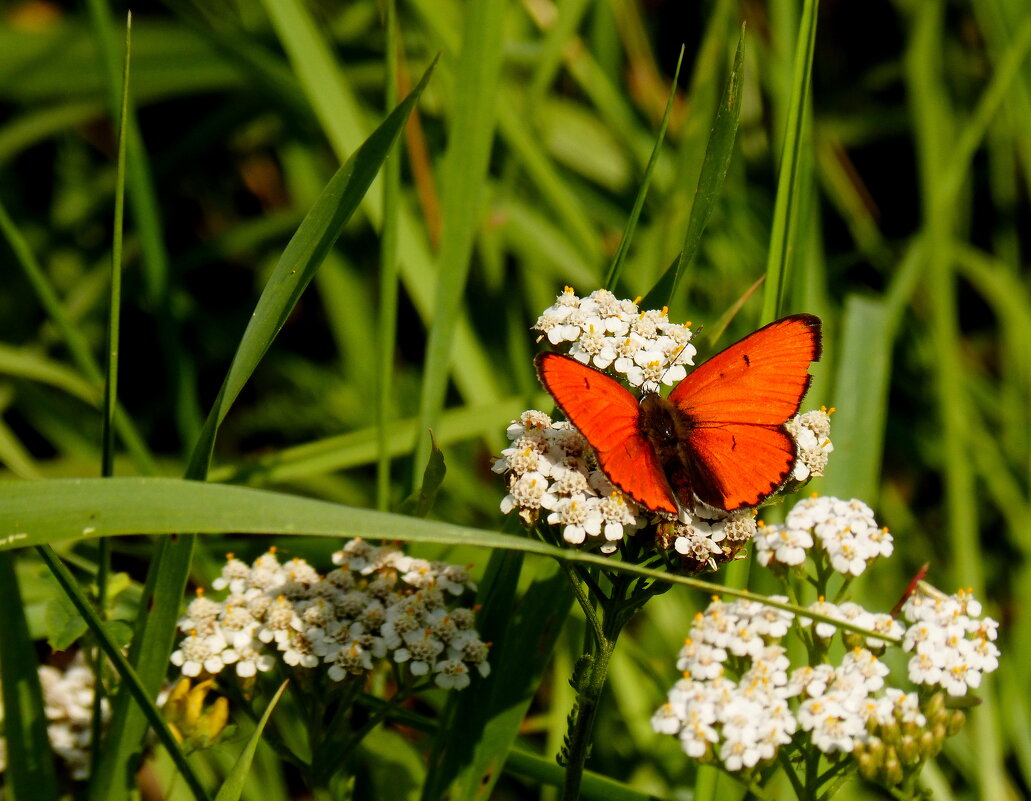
(719, 437)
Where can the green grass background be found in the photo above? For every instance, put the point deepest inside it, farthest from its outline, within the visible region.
(905, 228)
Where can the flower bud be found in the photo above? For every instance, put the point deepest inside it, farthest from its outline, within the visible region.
(934, 706)
(909, 751)
(955, 722)
(868, 766)
(892, 767)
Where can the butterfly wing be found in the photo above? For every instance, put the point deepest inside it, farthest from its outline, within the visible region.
(738, 451)
(608, 415)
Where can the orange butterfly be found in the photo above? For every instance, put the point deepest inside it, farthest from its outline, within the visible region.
(719, 436)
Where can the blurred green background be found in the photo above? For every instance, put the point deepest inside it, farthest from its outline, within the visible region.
(911, 231)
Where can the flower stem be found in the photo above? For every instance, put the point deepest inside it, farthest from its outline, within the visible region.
(588, 694)
(589, 677)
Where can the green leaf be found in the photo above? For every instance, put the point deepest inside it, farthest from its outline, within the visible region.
(131, 684)
(861, 389)
(30, 761)
(595, 787)
(782, 233)
(628, 233)
(470, 135)
(64, 624)
(232, 787)
(391, 764)
(710, 180)
(58, 509)
(490, 712)
(303, 254)
(421, 502)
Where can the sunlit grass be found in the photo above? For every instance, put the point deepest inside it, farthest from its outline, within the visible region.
(890, 199)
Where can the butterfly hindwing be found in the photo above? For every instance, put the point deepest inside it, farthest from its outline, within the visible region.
(608, 415)
(737, 449)
(736, 465)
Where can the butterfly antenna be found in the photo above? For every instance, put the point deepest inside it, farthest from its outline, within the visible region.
(674, 357)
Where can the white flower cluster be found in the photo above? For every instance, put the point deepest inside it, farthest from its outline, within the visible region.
(951, 647)
(551, 468)
(739, 700)
(68, 703)
(377, 602)
(644, 347)
(811, 432)
(845, 532)
(708, 536)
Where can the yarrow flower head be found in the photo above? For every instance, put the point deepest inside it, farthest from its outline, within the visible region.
(952, 648)
(740, 699)
(553, 475)
(844, 532)
(644, 347)
(377, 604)
(68, 702)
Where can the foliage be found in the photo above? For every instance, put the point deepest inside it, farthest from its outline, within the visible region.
(889, 197)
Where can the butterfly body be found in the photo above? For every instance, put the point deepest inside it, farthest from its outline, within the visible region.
(719, 437)
(667, 429)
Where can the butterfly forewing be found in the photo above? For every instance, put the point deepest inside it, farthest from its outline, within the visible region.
(608, 415)
(759, 380)
(736, 404)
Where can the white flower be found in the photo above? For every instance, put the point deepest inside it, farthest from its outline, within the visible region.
(421, 650)
(200, 652)
(234, 575)
(452, 674)
(833, 725)
(529, 492)
(811, 432)
(579, 517)
(785, 546)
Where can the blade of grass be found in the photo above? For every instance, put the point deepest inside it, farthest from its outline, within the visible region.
(232, 787)
(466, 162)
(388, 272)
(936, 143)
(718, 152)
(595, 787)
(150, 234)
(316, 235)
(861, 387)
(782, 233)
(15, 456)
(30, 761)
(524, 632)
(166, 579)
(30, 365)
(115, 296)
(107, 466)
(56, 510)
(628, 233)
(361, 447)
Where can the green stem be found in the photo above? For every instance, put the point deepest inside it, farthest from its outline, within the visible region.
(588, 696)
(589, 687)
(585, 602)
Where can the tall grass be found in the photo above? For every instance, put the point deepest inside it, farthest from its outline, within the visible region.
(890, 197)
